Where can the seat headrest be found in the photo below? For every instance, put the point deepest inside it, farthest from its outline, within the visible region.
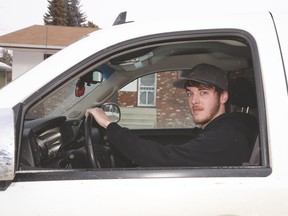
(242, 93)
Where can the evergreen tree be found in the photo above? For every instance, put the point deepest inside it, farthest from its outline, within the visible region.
(57, 13)
(66, 13)
(74, 15)
(90, 24)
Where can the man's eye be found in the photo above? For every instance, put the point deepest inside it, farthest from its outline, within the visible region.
(203, 92)
(189, 94)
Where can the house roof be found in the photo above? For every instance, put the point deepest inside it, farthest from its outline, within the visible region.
(44, 36)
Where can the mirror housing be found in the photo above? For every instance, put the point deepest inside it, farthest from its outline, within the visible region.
(112, 111)
(92, 77)
(7, 146)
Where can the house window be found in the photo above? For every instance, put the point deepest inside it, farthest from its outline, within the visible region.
(147, 91)
(47, 56)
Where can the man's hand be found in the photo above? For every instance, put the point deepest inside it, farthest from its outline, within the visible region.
(99, 116)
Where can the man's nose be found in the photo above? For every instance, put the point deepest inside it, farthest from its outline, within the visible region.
(195, 99)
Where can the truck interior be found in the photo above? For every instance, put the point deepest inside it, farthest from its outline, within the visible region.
(132, 78)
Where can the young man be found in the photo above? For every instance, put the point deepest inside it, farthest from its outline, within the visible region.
(225, 137)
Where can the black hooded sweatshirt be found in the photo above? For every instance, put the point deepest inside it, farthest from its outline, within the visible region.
(226, 141)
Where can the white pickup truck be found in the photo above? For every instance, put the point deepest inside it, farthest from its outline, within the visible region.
(47, 167)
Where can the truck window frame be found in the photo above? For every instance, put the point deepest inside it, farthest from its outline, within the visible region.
(179, 172)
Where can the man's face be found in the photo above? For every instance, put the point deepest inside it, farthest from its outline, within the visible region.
(205, 104)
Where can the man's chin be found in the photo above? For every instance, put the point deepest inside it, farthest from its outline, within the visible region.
(201, 121)
(198, 122)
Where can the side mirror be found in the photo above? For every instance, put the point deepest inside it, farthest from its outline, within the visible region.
(7, 147)
(112, 111)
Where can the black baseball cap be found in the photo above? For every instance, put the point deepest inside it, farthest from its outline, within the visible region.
(206, 74)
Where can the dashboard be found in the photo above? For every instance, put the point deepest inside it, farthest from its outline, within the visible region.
(52, 143)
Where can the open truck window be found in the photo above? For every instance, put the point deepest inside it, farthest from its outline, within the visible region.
(138, 77)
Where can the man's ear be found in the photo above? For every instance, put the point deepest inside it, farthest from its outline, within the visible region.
(224, 97)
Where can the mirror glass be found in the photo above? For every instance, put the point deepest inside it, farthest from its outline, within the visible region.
(112, 111)
(97, 77)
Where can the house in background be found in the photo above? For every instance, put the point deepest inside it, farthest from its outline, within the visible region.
(34, 44)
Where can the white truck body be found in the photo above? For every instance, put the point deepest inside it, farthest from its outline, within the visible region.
(163, 193)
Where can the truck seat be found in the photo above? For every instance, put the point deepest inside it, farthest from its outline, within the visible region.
(242, 98)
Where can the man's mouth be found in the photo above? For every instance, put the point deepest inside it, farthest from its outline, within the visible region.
(197, 109)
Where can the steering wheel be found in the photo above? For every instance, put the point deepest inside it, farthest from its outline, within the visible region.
(99, 155)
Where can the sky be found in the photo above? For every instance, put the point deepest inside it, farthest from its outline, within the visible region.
(19, 14)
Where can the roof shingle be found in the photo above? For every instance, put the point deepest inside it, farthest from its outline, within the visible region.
(48, 35)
